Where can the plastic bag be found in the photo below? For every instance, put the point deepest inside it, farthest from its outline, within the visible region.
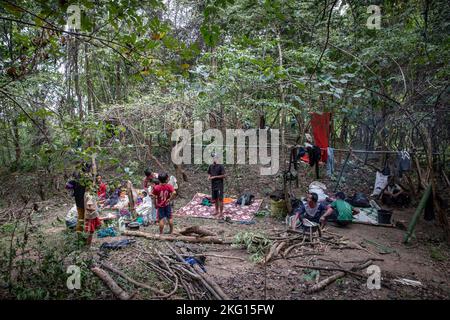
(319, 188)
(381, 182)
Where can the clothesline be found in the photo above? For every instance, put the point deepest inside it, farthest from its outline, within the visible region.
(366, 151)
(277, 145)
(381, 151)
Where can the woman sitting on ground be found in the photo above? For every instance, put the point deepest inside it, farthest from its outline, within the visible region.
(312, 211)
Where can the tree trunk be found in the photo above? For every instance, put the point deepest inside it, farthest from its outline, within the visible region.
(7, 153)
(118, 91)
(18, 150)
(77, 80)
(90, 104)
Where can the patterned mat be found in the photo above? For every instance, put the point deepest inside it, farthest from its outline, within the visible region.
(236, 212)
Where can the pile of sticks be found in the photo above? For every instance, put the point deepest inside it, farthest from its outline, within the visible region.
(306, 244)
(170, 268)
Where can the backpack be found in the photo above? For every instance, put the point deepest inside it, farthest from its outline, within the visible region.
(245, 199)
(360, 200)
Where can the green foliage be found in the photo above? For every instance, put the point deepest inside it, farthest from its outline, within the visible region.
(255, 243)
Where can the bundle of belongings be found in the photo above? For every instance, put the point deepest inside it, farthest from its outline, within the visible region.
(117, 244)
(200, 261)
(206, 201)
(245, 200)
(146, 209)
(319, 188)
(360, 200)
(71, 218)
(106, 232)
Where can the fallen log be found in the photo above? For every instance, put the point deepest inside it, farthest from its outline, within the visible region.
(271, 252)
(112, 285)
(172, 237)
(197, 230)
(279, 248)
(322, 284)
(330, 269)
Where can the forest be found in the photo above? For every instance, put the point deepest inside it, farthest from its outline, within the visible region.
(97, 94)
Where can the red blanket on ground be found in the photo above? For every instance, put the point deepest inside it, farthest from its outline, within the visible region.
(236, 212)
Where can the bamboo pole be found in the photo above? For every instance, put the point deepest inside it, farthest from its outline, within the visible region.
(342, 170)
(417, 213)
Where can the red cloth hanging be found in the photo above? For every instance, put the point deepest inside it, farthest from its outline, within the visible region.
(320, 124)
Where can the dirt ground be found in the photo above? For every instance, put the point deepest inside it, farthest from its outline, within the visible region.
(425, 259)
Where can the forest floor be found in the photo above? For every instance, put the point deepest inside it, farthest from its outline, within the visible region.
(425, 259)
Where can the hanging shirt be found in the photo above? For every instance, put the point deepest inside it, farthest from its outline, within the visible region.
(330, 161)
(403, 162)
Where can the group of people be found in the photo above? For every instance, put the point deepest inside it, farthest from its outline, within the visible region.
(159, 191)
(338, 211)
(91, 195)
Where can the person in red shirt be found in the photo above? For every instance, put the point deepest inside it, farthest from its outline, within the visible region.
(163, 193)
(101, 191)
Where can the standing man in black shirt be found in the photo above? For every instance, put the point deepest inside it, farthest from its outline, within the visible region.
(216, 173)
(77, 185)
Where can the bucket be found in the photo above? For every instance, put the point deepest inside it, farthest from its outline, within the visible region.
(278, 208)
(384, 216)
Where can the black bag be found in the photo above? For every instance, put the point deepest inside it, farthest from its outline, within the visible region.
(246, 199)
(360, 200)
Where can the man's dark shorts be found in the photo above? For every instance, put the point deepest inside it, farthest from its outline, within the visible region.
(217, 194)
(164, 212)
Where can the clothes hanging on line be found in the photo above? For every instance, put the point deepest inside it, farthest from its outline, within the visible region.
(330, 161)
(320, 124)
(314, 154)
(403, 163)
